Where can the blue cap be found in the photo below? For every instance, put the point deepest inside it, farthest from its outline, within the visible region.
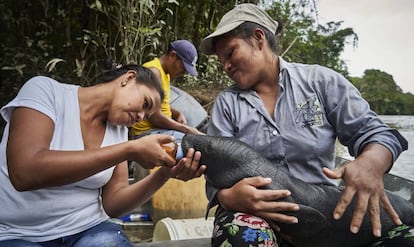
(187, 52)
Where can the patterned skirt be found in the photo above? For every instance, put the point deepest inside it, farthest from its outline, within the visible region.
(244, 230)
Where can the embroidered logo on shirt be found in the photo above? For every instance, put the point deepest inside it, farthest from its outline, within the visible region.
(309, 113)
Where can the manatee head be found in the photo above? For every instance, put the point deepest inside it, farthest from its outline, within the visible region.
(228, 160)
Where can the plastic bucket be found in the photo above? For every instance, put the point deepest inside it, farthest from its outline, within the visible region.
(169, 229)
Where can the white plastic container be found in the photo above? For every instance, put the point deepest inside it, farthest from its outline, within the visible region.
(169, 229)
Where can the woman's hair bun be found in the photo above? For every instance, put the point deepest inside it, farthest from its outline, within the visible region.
(108, 64)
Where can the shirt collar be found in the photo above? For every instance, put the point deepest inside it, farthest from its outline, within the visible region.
(283, 72)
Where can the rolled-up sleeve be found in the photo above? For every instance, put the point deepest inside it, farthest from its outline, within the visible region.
(355, 123)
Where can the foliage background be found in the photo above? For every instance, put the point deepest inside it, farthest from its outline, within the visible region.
(69, 40)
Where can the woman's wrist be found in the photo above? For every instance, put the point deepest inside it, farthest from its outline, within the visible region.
(131, 149)
(220, 195)
(377, 155)
(184, 128)
(164, 174)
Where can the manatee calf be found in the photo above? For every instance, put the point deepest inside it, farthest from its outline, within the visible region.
(229, 160)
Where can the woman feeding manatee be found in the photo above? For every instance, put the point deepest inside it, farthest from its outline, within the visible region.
(292, 114)
(63, 162)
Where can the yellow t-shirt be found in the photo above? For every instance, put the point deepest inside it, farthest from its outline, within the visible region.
(145, 125)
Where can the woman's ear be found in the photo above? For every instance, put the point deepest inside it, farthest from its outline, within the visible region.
(259, 37)
(172, 55)
(131, 74)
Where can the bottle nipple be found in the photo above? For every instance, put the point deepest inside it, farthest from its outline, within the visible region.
(170, 148)
(174, 150)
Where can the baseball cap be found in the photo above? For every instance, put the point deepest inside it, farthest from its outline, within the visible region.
(232, 19)
(187, 52)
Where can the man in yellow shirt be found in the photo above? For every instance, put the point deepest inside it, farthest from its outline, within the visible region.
(180, 58)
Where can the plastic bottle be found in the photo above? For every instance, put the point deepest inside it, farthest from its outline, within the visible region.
(135, 217)
(174, 150)
(179, 154)
(170, 148)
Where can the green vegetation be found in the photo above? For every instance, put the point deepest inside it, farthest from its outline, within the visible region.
(383, 94)
(69, 40)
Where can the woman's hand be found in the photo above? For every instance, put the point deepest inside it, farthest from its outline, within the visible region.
(187, 168)
(245, 196)
(178, 116)
(363, 179)
(148, 151)
(192, 130)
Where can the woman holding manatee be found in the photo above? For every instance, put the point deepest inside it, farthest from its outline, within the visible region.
(292, 114)
(63, 161)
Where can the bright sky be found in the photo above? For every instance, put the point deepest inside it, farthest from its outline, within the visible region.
(385, 29)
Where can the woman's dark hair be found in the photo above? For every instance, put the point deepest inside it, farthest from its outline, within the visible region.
(112, 71)
(246, 29)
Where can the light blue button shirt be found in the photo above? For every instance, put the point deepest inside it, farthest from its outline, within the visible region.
(316, 105)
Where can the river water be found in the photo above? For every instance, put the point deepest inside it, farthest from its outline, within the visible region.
(404, 166)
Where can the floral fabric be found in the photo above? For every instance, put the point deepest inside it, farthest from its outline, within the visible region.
(235, 229)
(243, 230)
(401, 236)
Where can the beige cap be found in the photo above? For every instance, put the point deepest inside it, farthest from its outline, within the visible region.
(232, 19)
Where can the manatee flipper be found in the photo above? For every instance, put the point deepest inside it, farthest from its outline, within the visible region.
(311, 222)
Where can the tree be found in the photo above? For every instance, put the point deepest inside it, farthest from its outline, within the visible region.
(69, 40)
(383, 94)
(304, 40)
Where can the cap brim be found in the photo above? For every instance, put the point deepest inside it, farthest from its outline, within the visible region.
(190, 69)
(206, 45)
